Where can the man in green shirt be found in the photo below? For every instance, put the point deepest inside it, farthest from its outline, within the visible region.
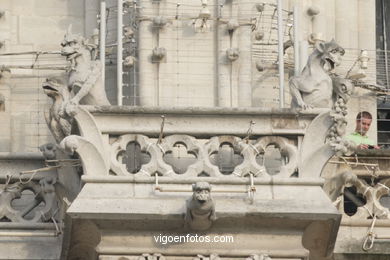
(363, 123)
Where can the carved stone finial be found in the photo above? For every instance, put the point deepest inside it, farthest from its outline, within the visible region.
(232, 54)
(200, 207)
(232, 25)
(5, 74)
(159, 22)
(159, 54)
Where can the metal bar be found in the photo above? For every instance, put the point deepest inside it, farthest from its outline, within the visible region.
(44, 67)
(355, 163)
(102, 42)
(119, 53)
(280, 54)
(31, 52)
(385, 42)
(296, 41)
(212, 180)
(28, 234)
(161, 189)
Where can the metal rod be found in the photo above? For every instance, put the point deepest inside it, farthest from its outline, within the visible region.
(161, 189)
(280, 53)
(212, 180)
(102, 42)
(28, 234)
(31, 52)
(119, 53)
(296, 41)
(385, 42)
(355, 163)
(43, 67)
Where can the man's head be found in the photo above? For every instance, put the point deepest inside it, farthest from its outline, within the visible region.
(363, 122)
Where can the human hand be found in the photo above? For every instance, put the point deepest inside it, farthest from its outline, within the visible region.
(363, 146)
(366, 146)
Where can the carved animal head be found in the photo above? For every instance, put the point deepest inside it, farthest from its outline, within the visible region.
(330, 53)
(201, 191)
(56, 87)
(342, 88)
(72, 45)
(49, 151)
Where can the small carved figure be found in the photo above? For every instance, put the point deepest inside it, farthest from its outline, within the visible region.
(342, 88)
(48, 151)
(200, 207)
(58, 122)
(258, 257)
(202, 257)
(155, 256)
(85, 79)
(313, 88)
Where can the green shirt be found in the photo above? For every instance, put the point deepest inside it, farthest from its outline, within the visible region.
(360, 139)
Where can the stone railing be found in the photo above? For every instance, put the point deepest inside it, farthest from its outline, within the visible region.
(134, 180)
(359, 187)
(106, 132)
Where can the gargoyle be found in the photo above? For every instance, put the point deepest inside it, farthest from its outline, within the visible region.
(313, 88)
(48, 151)
(85, 79)
(334, 187)
(59, 122)
(200, 207)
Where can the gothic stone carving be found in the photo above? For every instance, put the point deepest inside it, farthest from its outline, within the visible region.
(48, 151)
(203, 152)
(155, 256)
(211, 257)
(200, 207)
(372, 193)
(258, 257)
(342, 91)
(43, 190)
(58, 122)
(313, 88)
(85, 79)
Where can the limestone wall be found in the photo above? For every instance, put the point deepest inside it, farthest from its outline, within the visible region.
(195, 71)
(31, 25)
